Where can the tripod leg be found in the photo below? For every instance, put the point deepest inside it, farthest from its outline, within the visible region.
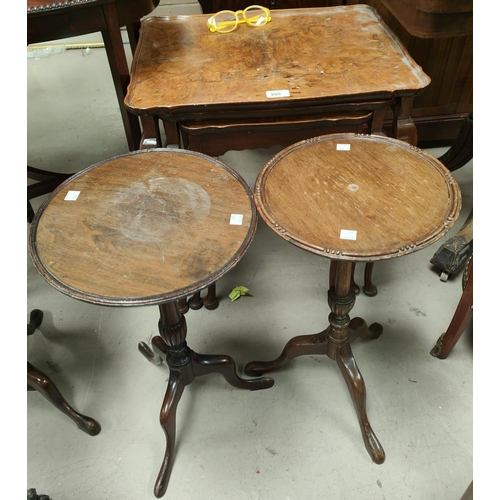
(205, 364)
(356, 385)
(174, 392)
(44, 385)
(297, 346)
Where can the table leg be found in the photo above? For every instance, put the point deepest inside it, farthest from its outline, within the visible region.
(184, 366)
(357, 389)
(195, 302)
(369, 288)
(403, 127)
(117, 60)
(211, 301)
(37, 380)
(298, 346)
(335, 342)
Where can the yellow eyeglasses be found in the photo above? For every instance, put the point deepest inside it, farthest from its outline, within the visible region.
(226, 21)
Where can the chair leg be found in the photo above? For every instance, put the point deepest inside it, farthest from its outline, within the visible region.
(459, 322)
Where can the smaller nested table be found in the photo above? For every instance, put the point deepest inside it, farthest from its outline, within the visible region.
(352, 198)
(149, 228)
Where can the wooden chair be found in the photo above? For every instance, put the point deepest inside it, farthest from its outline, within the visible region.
(460, 320)
(38, 381)
(455, 252)
(53, 21)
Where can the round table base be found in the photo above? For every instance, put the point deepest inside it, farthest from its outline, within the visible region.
(184, 365)
(335, 341)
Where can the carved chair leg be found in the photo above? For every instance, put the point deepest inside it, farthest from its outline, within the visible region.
(459, 322)
(45, 386)
(195, 302)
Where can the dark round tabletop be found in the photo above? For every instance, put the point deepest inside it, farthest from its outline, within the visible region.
(357, 197)
(143, 228)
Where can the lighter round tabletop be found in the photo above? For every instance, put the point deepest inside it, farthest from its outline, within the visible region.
(143, 228)
(357, 197)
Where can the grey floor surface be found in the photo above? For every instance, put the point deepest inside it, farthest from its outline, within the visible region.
(299, 440)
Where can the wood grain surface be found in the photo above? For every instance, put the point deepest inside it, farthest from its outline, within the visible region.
(395, 197)
(318, 54)
(146, 227)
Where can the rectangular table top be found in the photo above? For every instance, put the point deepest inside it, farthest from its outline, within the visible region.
(317, 55)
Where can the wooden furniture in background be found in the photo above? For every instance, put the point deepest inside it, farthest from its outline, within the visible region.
(46, 182)
(241, 88)
(351, 199)
(53, 21)
(177, 222)
(461, 318)
(38, 381)
(455, 251)
(209, 6)
(438, 36)
(452, 255)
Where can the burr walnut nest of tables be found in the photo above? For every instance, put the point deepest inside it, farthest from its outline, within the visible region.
(353, 198)
(148, 228)
(307, 70)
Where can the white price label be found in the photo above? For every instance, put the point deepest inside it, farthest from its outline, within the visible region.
(348, 234)
(277, 93)
(72, 195)
(236, 220)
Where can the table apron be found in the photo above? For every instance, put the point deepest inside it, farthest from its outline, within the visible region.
(247, 113)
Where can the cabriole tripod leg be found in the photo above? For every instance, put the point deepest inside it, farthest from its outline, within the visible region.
(357, 389)
(341, 299)
(168, 412)
(298, 346)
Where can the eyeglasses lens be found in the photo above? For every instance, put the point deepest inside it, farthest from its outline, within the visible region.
(256, 16)
(225, 21)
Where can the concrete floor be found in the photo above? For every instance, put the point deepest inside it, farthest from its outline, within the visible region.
(298, 440)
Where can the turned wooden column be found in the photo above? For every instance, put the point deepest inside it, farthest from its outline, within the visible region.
(174, 225)
(352, 198)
